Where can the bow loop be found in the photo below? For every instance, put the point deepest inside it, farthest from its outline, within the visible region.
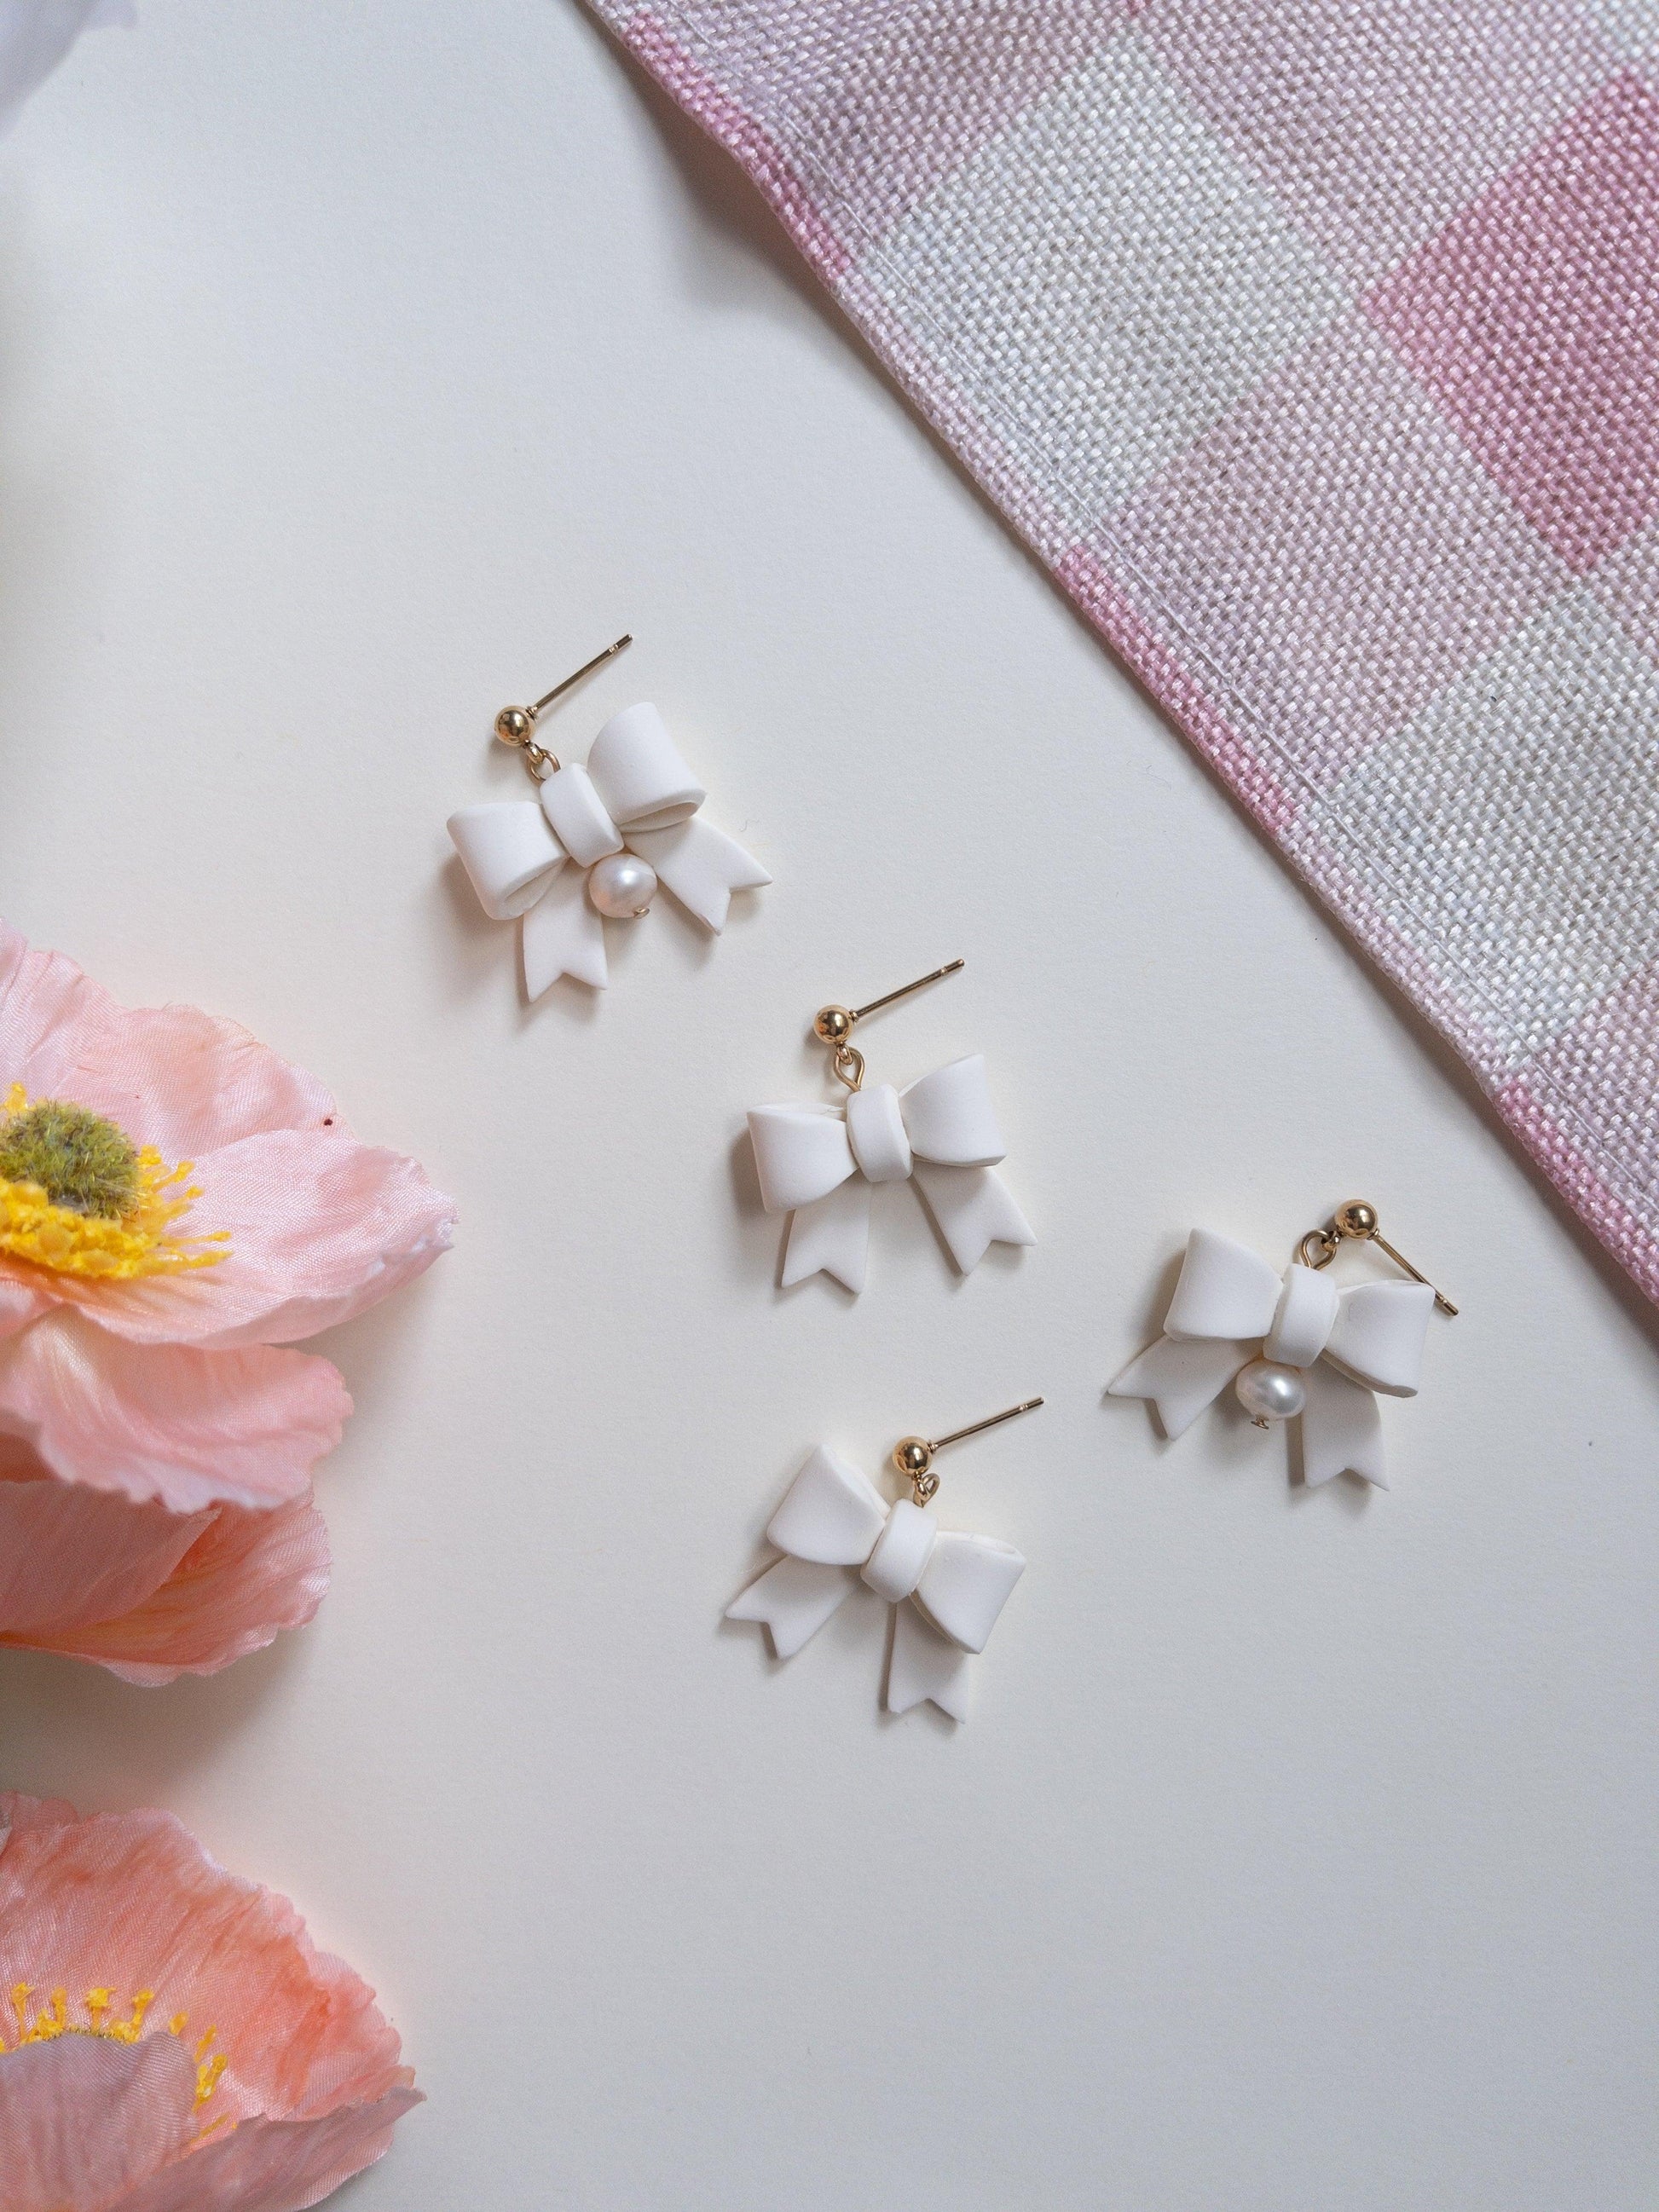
(1224, 1290)
(638, 772)
(965, 1585)
(801, 1154)
(831, 1513)
(950, 1117)
(1379, 1335)
(509, 852)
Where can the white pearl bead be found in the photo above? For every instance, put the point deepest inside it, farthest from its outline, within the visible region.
(622, 885)
(1269, 1392)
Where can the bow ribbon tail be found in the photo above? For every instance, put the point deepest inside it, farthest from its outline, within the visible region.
(922, 1665)
(701, 864)
(1341, 1430)
(563, 936)
(793, 1600)
(832, 1233)
(1181, 1376)
(973, 1209)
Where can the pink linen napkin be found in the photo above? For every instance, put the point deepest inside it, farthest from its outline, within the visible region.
(1314, 348)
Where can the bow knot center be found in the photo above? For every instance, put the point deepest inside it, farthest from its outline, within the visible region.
(901, 1552)
(876, 1131)
(579, 817)
(1304, 1318)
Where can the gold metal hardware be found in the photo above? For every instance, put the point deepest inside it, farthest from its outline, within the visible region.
(914, 1455)
(833, 1026)
(1355, 1221)
(516, 725)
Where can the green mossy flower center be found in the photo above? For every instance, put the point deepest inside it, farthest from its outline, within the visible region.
(82, 1161)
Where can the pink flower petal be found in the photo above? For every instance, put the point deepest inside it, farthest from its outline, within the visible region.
(170, 1076)
(19, 1812)
(274, 2166)
(70, 1556)
(83, 2122)
(246, 1576)
(20, 1304)
(191, 1428)
(130, 1901)
(320, 1228)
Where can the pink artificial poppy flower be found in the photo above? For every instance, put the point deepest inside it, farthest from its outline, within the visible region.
(170, 2041)
(176, 1202)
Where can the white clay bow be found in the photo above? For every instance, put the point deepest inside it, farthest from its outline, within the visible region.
(1230, 1308)
(835, 1528)
(819, 1163)
(636, 792)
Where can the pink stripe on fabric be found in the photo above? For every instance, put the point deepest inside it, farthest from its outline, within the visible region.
(1338, 446)
(1375, 124)
(1534, 319)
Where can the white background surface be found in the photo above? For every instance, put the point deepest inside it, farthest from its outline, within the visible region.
(362, 368)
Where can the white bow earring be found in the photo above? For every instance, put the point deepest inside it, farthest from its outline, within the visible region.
(835, 1530)
(598, 844)
(819, 1163)
(1292, 1346)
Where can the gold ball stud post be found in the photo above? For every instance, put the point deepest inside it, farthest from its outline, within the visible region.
(1356, 1219)
(833, 1024)
(514, 726)
(913, 1456)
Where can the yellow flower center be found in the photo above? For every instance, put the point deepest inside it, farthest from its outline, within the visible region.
(52, 2020)
(78, 1197)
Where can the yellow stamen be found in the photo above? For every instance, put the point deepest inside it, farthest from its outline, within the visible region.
(207, 2077)
(50, 2021)
(33, 1228)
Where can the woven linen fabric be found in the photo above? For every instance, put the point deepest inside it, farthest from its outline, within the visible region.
(1314, 346)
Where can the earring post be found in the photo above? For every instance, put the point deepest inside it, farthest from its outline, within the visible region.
(586, 669)
(994, 1421)
(905, 989)
(1356, 1217)
(1400, 1260)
